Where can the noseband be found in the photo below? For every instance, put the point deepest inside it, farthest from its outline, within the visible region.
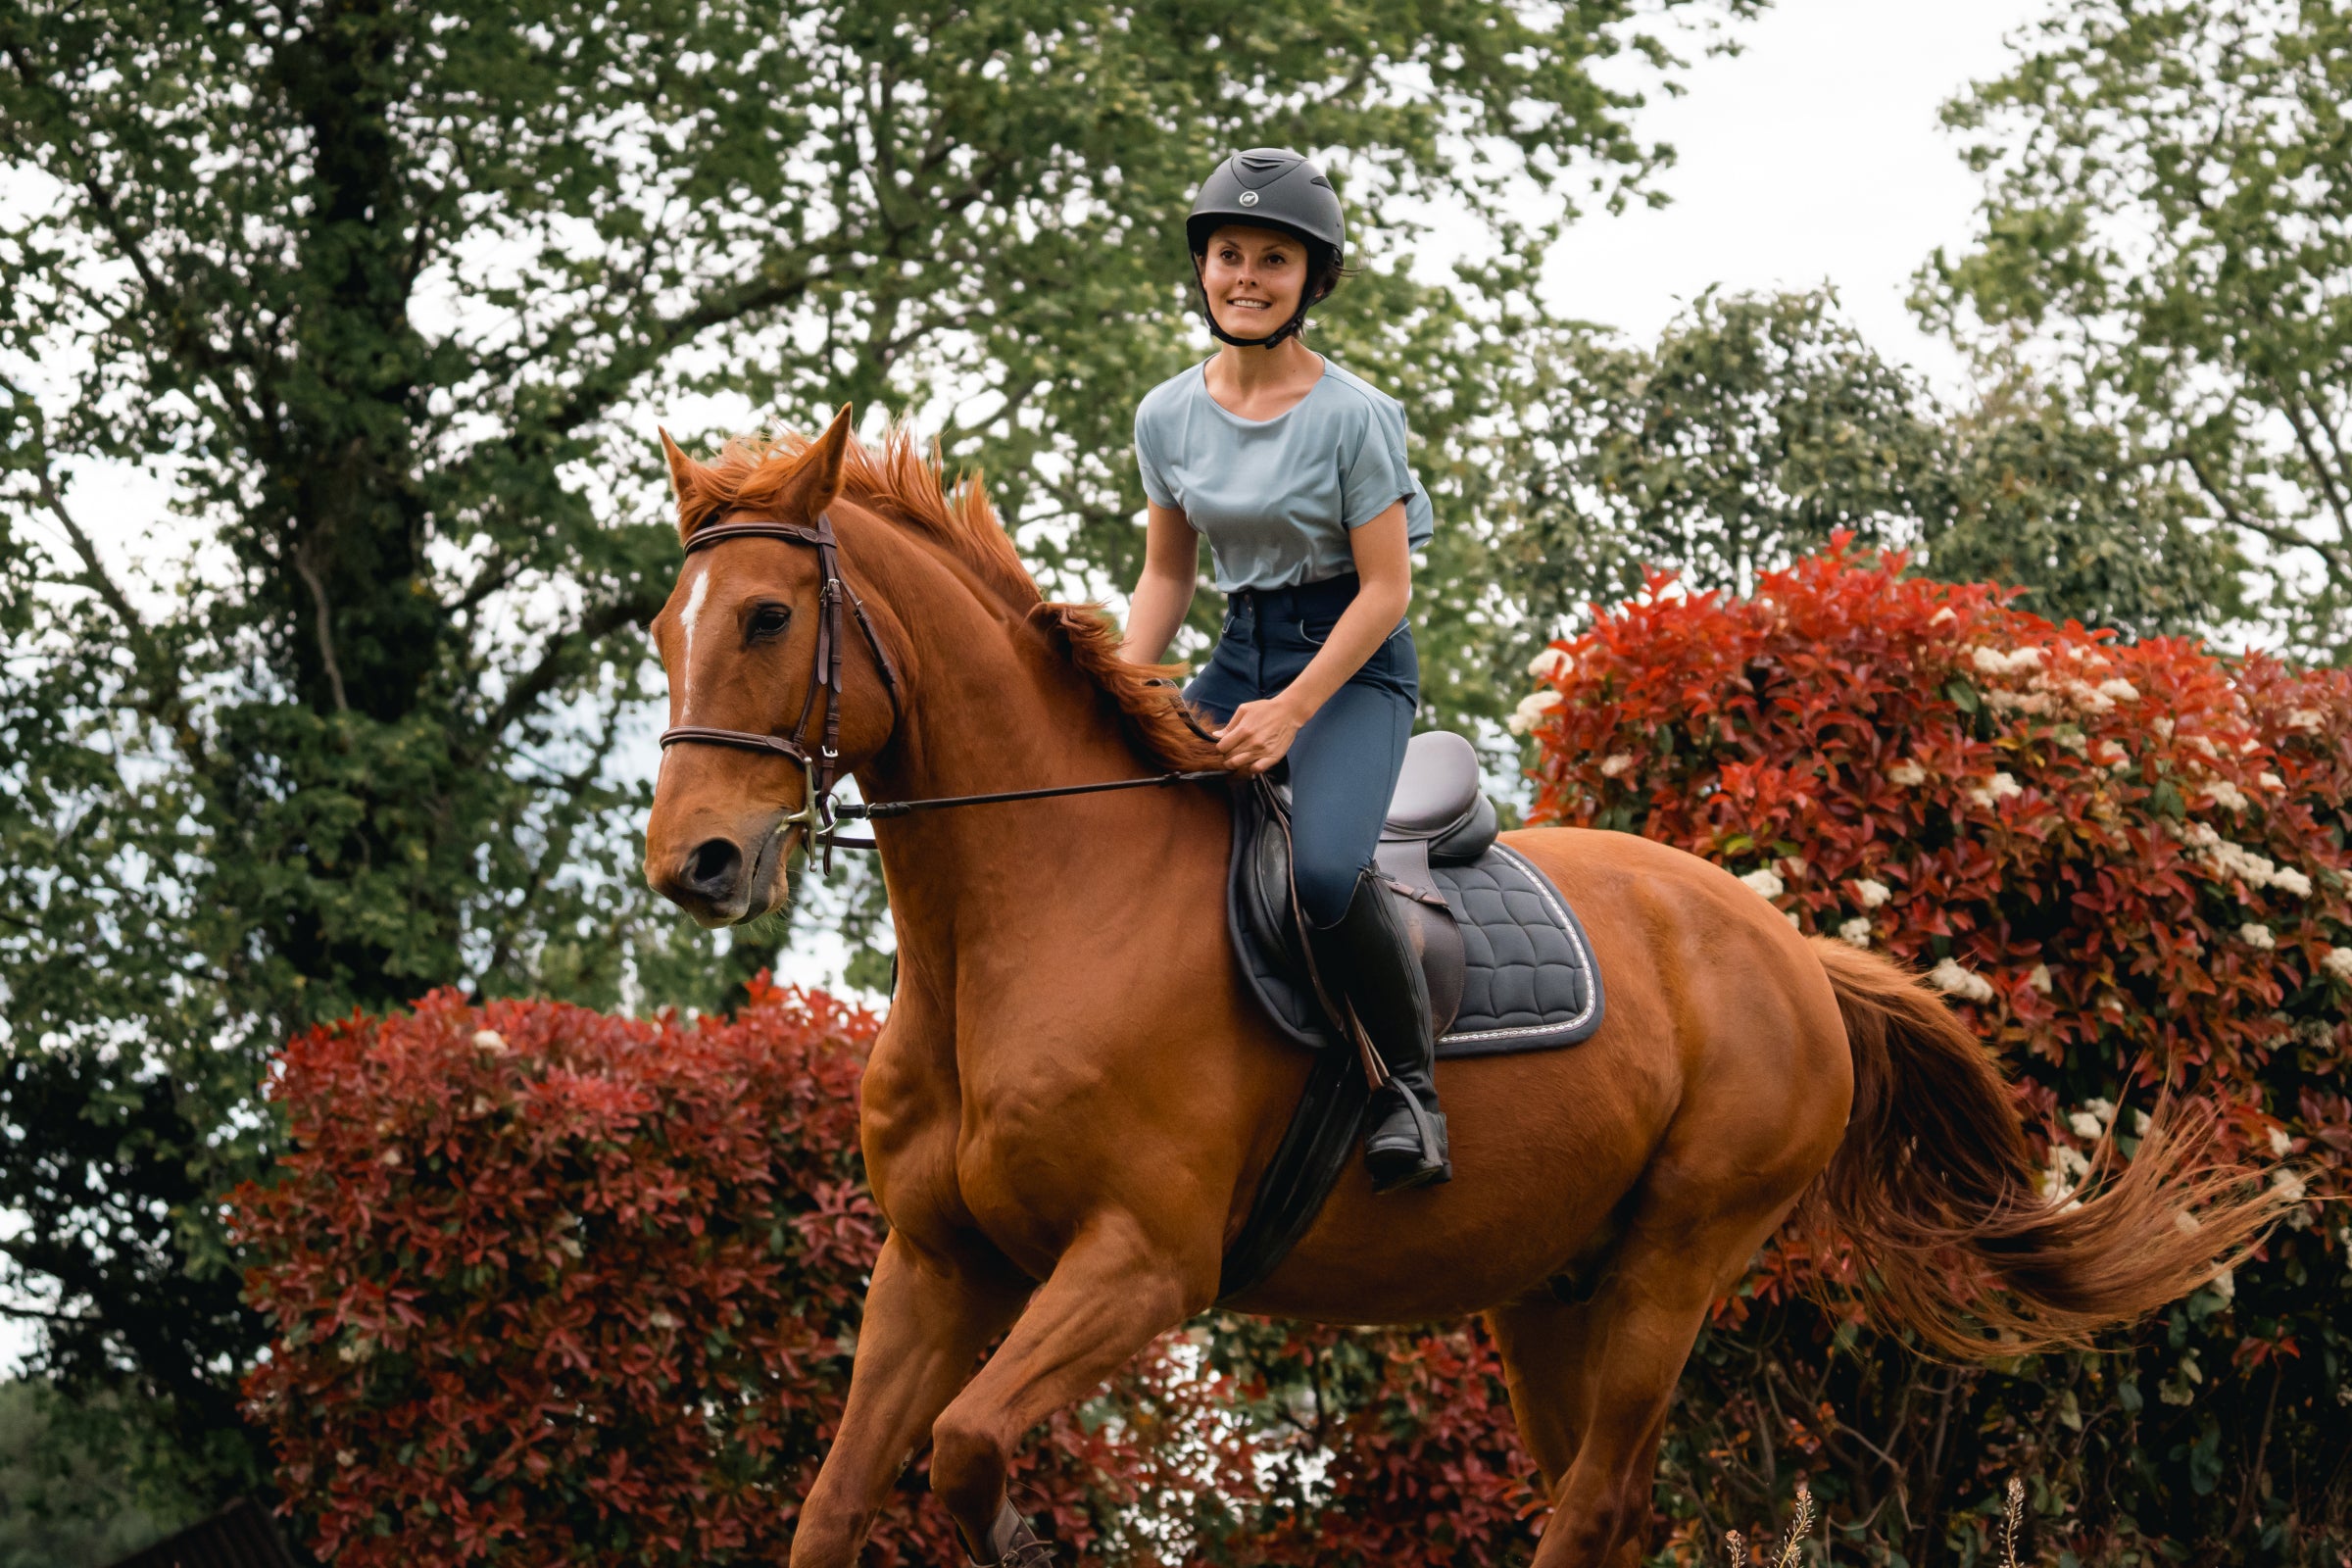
(818, 818)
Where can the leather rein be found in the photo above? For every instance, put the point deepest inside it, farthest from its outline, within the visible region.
(819, 817)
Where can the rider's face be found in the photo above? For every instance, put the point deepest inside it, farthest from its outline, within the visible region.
(1254, 279)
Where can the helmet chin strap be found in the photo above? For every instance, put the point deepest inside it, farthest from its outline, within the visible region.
(1286, 329)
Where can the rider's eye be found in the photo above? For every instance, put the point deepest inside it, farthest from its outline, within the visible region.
(769, 621)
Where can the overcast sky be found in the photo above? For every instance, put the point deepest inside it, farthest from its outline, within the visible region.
(1813, 155)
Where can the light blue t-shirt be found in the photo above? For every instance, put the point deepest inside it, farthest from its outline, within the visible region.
(1276, 497)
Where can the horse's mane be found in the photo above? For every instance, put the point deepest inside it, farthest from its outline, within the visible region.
(903, 486)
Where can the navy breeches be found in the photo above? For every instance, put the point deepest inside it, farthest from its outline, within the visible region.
(1344, 760)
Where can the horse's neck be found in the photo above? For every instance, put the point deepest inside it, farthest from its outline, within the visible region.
(993, 706)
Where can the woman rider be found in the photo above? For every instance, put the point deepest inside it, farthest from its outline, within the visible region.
(1296, 470)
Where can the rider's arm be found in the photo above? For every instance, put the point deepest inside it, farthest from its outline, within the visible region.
(1384, 568)
(1165, 592)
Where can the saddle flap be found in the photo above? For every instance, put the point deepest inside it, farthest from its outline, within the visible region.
(1260, 909)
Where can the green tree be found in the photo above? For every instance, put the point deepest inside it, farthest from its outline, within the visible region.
(62, 1507)
(2167, 235)
(1758, 424)
(390, 295)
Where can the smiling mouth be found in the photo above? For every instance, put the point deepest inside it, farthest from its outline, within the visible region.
(1250, 305)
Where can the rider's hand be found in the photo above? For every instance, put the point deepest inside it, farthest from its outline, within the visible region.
(1259, 734)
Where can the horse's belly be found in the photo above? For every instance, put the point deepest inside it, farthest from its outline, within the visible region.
(1545, 1146)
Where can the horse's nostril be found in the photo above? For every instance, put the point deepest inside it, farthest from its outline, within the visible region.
(712, 866)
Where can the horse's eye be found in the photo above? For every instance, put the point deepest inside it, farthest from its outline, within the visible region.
(769, 621)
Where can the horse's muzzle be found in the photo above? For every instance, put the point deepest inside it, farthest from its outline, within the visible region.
(722, 880)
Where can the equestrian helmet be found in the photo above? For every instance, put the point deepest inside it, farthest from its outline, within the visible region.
(1272, 187)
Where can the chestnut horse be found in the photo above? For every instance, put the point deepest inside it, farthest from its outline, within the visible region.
(1070, 1104)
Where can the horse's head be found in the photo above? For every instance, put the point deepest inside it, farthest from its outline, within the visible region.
(746, 642)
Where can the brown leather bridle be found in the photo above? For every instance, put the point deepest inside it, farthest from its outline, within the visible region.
(818, 818)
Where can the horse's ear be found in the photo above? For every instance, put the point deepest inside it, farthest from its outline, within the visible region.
(816, 481)
(686, 482)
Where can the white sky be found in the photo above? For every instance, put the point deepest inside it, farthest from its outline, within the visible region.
(1813, 155)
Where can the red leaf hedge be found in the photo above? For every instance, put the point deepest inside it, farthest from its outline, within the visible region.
(2126, 868)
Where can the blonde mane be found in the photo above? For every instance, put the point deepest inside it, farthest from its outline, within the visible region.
(903, 486)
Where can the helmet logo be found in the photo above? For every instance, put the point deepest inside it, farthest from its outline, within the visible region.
(1249, 198)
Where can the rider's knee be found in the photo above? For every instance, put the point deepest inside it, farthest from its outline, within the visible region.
(1324, 891)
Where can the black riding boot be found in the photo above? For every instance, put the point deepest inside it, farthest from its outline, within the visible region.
(1368, 960)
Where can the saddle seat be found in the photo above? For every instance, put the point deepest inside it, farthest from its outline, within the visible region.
(1437, 816)
(1436, 801)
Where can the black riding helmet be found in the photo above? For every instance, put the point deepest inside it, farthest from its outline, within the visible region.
(1271, 188)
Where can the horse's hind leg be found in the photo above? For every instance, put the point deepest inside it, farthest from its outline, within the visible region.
(1574, 1402)
(1590, 1381)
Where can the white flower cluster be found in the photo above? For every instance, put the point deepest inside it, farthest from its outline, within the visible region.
(1997, 788)
(1949, 977)
(2068, 1165)
(1532, 707)
(2049, 691)
(2269, 781)
(2091, 1120)
(2305, 718)
(2222, 858)
(1871, 893)
(1992, 662)
(2254, 934)
(2223, 794)
(1765, 880)
(2338, 963)
(2039, 979)
(1617, 764)
(1549, 665)
(1855, 931)
(1906, 774)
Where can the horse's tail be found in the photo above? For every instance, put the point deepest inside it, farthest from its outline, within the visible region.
(1936, 1193)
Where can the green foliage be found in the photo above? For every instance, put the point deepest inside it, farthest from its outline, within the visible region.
(62, 1507)
(2167, 232)
(1756, 427)
(390, 296)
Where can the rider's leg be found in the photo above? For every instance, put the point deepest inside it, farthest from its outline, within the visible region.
(1344, 768)
(919, 1342)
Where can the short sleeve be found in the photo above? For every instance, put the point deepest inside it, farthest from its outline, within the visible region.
(1376, 477)
(1148, 464)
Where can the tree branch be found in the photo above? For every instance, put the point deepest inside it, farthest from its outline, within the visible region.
(321, 626)
(165, 701)
(556, 658)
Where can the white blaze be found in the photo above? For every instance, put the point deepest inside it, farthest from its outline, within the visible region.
(693, 612)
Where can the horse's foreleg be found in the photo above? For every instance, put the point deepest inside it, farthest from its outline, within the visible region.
(1110, 1295)
(926, 1324)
